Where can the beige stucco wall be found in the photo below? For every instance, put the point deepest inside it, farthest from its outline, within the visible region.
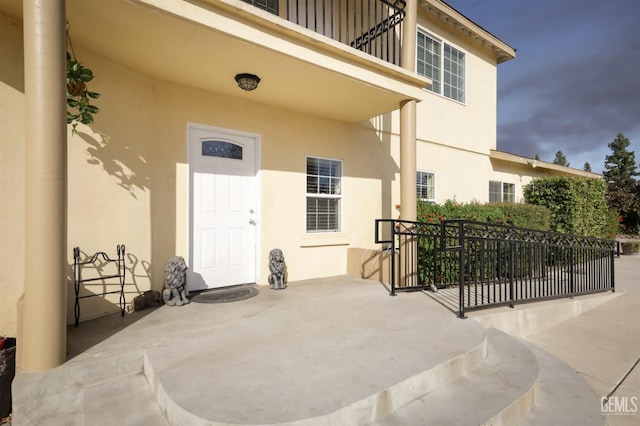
(463, 175)
(519, 176)
(128, 173)
(453, 139)
(128, 177)
(12, 179)
(111, 179)
(470, 125)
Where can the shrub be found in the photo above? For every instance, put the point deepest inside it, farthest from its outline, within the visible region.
(439, 267)
(577, 205)
(515, 214)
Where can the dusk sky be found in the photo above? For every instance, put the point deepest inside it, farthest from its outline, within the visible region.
(575, 81)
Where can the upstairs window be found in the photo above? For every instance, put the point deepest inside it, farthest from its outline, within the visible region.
(429, 57)
(426, 186)
(502, 192)
(443, 64)
(324, 194)
(268, 5)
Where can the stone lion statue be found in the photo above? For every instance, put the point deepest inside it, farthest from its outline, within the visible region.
(277, 278)
(175, 281)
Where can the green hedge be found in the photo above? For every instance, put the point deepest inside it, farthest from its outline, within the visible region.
(440, 268)
(577, 205)
(515, 214)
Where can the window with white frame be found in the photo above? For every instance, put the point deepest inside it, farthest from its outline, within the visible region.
(502, 191)
(443, 64)
(426, 186)
(268, 5)
(324, 194)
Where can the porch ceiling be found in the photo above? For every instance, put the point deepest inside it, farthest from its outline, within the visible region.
(207, 56)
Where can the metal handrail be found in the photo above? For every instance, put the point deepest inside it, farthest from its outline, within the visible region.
(495, 264)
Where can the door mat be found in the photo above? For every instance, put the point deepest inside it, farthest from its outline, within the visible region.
(225, 295)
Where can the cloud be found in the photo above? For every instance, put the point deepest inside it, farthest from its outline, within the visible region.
(574, 85)
(578, 103)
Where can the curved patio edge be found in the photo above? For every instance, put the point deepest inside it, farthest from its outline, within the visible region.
(364, 411)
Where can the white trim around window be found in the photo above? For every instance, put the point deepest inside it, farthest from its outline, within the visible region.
(443, 63)
(323, 194)
(425, 185)
(502, 192)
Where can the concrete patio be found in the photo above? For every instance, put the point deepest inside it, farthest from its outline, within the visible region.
(341, 351)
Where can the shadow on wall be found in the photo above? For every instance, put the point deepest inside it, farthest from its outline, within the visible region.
(375, 265)
(12, 52)
(122, 144)
(101, 297)
(105, 308)
(120, 161)
(382, 127)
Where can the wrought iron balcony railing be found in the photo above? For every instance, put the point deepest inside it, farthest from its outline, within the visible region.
(371, 26)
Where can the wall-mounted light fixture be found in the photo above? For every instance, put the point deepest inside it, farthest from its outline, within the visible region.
(247, 82)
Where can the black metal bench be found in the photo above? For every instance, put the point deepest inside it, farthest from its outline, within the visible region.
(105, 260)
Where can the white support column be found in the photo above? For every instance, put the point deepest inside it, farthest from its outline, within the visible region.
(43, 325)
(408, 200)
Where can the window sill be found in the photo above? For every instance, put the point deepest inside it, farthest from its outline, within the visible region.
(324, 239)
(447, 98)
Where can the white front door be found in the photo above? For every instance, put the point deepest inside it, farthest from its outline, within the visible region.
(223, 206)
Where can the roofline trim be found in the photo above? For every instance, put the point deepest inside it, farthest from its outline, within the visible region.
(539, 164)
(451, 16)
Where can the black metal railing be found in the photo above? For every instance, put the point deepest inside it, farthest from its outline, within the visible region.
(493, 264)
(371, 26)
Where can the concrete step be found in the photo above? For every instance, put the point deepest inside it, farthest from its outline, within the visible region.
(359, 412)
(527, 319)
(564, 397)
(501, 391)
(351, 361)
(126, 400)
(52, 397)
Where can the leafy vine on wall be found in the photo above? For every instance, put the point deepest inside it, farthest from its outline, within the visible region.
(79, 97)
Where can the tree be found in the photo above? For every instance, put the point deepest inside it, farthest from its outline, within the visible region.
(560, 159)
(620, 166)
(537, 157)
(587, 166)
(622, 189)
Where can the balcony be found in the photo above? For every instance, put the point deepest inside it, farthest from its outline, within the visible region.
(371, 26)
(204, 44)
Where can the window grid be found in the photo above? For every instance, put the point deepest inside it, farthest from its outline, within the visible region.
(509, 192)
(495, 192)
(425, 186)
(268, 5)
(324, 178)
(502, 192)
(447, 71)
(428, 60)
(453, 73)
